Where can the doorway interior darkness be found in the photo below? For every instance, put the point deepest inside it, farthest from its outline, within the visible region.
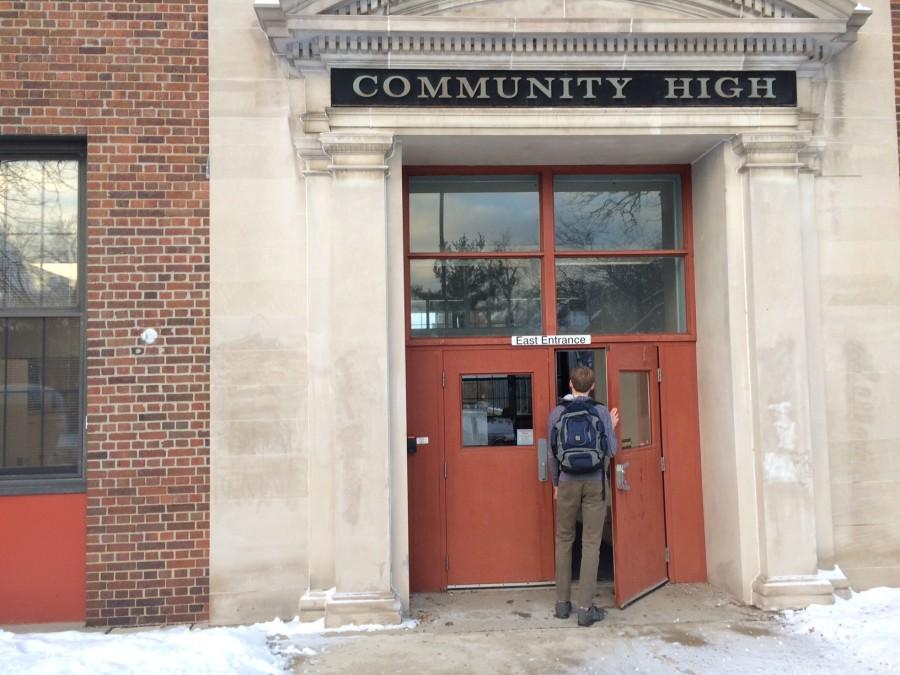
(497, 252)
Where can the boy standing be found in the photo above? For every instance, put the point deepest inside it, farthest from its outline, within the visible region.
(588, 493)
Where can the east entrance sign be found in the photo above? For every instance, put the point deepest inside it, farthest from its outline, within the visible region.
(562, 88)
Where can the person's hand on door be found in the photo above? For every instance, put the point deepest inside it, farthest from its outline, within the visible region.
(614, 414)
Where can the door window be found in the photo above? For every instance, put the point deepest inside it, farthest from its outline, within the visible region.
(634, 408)
(497, 410)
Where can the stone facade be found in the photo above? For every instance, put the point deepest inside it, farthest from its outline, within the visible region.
(260, 230)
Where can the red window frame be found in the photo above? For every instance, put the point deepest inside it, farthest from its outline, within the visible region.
(548, 254)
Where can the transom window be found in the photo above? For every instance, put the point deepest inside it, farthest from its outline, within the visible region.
(41, 317)
(576, 253)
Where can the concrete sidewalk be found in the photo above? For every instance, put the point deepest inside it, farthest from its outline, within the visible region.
(677, 629)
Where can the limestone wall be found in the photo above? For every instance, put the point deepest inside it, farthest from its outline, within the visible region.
(259, 332)
(859, 248)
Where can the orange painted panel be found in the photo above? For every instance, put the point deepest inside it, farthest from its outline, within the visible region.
(424, 468)
(42, 558)
(681, 448)
(639, 521)
(499, 512)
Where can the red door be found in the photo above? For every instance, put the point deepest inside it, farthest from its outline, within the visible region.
(639, 532)
(499, 498)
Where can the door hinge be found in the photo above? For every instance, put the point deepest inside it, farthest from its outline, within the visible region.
(445, 471)
(662, 463)
(447, 563)
(443, 379)
(659, 374)
(667, 554)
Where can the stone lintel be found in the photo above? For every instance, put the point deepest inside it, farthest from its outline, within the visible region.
(360, 609)
(795, 591)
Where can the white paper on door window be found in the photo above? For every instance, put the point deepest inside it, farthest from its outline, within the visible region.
(524, 436)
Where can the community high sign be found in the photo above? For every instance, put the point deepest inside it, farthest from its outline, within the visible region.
(561, 88)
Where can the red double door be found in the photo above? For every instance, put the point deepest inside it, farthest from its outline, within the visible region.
(480, 493)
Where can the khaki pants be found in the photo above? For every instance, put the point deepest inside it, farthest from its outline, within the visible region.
(570, 497)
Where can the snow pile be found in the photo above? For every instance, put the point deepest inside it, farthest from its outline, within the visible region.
(263, 648)
(867, 625)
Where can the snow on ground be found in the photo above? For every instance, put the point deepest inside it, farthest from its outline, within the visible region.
(263, 648)
(867, 625)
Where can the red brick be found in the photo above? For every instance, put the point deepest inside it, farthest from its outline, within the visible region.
(133, 79)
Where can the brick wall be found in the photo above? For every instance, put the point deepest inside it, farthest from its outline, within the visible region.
(895, 24)
(132, 77)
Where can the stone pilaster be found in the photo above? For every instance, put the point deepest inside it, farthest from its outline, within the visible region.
(320, 535)
(774, 211)
(349, 411)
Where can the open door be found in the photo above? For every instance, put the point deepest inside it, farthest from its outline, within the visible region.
(639, 532)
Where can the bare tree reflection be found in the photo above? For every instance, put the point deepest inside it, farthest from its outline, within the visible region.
(605, 219)
(482, 295)
(38, 232)
(615, 297)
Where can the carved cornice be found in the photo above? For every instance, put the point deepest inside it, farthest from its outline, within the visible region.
(312, 41)
(775, 150)
(315, 161)
(357, 151)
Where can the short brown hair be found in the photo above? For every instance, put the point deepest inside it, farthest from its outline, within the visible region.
(582, 379)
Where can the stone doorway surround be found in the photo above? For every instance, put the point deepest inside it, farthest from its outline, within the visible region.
(351, 160)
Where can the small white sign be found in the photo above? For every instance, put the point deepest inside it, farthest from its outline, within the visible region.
(550, 340)
(421, 440)
(524, 436)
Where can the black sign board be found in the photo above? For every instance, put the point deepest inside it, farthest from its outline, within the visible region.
(561, 88)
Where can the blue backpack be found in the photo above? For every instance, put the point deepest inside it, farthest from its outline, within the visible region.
(579, 438)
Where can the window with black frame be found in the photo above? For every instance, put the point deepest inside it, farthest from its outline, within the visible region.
(41, 316)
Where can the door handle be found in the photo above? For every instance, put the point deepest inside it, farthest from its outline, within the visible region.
(621, 480)
(542, 459)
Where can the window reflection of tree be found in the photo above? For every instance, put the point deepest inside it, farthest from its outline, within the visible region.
(37, 229)
(601, 219)
(613, 297)
(489, 293)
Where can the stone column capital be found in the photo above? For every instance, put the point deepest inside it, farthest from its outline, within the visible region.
(354, 151)
(772, 149)
(314, 160)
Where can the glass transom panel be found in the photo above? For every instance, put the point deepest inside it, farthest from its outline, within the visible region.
(471, 214)
(620, 295)
(619, 213)
(475, 296)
